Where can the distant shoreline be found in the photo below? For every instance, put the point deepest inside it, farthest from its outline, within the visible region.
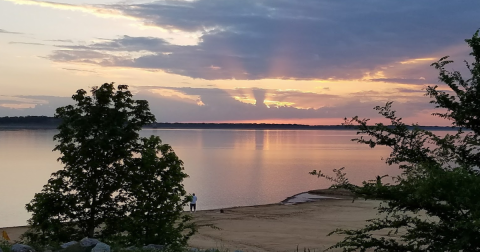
(222, 126)
(46, 122)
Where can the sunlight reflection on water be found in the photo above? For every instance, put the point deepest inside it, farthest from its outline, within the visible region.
(226, 167)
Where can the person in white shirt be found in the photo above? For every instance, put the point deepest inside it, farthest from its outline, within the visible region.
(193, 204)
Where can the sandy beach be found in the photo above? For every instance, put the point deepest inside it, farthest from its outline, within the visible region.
(274, 227)
(280, 227)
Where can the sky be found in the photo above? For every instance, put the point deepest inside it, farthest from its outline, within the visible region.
(258, 61)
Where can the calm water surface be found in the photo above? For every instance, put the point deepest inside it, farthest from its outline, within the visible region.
(226, 167)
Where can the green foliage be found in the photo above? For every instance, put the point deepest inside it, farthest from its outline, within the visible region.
(5, 246)
(340, 179)
(433, 205)
(113, 186)
(155, 198)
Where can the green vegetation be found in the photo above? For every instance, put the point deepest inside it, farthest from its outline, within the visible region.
(433, 205)
(4, 245)
(115, 185)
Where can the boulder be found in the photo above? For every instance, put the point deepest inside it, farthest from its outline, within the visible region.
(88, 242)
(154, 247)
(68, 244)
(77, 248)
(1, 250)
(21, 248)
(101, 247)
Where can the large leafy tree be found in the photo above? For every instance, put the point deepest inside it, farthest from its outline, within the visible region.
(105, 172)
(433, 205)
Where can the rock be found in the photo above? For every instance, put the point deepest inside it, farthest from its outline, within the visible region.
(77, 248)
(154, 247)
(131, 248)
(1, 250)
(21, 248)
(101, 247)
(68, 244)
(87, 242)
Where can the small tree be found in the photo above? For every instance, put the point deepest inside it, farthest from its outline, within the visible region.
(101, 148)
(433, 205)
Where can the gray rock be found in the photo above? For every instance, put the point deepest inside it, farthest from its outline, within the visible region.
(131, 248)
(87, 242)
(1, 250)
(21, 248)
(68, 244)
(101, 247)
(154, 247)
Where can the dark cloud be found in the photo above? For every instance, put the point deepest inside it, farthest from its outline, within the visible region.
(284, 39)
(91, 57)
(259, 95)
(411, 90)
(397, 93)
(401, 81)
(9, 32)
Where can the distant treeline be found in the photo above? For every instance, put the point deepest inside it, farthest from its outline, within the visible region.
(45, 122)
(266, 126)
(29, 120)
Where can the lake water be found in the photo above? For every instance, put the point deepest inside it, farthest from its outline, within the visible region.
(226, 167)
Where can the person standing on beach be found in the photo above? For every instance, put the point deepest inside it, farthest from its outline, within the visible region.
(193, 203)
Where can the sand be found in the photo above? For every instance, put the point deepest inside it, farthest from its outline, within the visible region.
(281, 227)
(275, 227)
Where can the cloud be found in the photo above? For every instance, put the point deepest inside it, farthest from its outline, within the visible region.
(24, 105)
(222, 105)
(78, 70)
(411, 90)
(283, 39)
(401, 80)
(60, 40)
(25, 43)
(12, 102)
(9, 32)
(97, 10)
(185, 104)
